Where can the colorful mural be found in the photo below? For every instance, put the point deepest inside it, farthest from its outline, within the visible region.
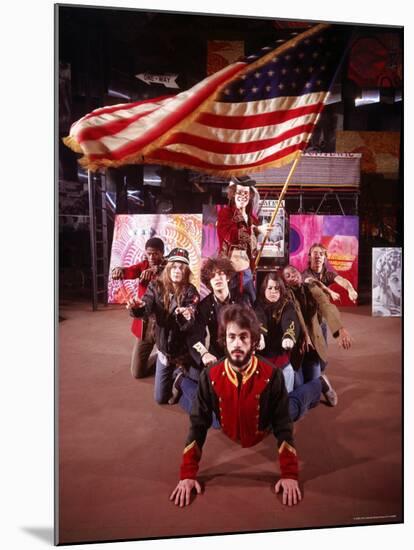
(338, 234)
(131, 232)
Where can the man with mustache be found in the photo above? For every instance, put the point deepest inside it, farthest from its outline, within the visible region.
(247, 394)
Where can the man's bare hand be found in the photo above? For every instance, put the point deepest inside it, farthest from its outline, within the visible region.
(306, 344)
(344, 339)
(262, 344)
(135, 303)
(287, 343)
(290, 489)
(182, 493)
(208, 359)
(334, 295)
(353, 295)
(147, 274)
(117, 273)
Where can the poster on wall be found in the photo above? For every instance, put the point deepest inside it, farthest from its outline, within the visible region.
(386, 282)
(339, 236)
(131, 232)
(275, 244)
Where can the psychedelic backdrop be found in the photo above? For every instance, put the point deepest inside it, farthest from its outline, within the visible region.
(131, 232)
(339, 234)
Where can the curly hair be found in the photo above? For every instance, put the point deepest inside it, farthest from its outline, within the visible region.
(388, 262)
(244, 317)
(216, 264)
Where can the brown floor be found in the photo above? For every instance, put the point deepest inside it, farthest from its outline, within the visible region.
(120, 452)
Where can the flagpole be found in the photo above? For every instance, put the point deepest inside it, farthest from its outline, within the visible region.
(281, 196)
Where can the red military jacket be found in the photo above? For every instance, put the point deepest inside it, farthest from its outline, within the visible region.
(247, 412)
(234, 232)
(133, 272)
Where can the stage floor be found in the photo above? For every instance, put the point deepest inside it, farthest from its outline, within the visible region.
(119, 452)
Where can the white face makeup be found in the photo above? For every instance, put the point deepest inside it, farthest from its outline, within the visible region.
(242, 196)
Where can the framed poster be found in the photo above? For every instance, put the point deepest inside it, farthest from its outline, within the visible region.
(386, 282)
(275, 243)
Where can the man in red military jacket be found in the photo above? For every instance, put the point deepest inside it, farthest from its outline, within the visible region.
(145, 271)
(248, 397)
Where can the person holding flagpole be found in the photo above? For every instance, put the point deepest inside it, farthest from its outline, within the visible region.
(237, 231)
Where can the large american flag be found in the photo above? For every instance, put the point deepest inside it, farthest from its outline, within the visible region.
(257, 112)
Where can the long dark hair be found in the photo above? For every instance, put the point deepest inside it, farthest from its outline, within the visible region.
(275, 307)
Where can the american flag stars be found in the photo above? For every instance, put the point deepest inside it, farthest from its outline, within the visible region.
(298, 68)
(295, 76)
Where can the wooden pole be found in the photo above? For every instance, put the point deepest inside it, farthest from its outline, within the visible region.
(281, 196)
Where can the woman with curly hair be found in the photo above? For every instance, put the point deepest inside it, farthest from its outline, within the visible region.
(172, 298)
(280, 325)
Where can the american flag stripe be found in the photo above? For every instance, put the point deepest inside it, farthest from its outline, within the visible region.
(243, 156)
(266, 119)
(258, 107)
(253, 113)
(245, 134)
(237, 147)
(164, 156)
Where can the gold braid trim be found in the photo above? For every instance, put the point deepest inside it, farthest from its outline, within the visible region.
(285, 445)
(290, 332)
(190, 446)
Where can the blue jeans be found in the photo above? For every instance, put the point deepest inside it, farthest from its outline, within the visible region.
(164, 378)
(303, 398)
(247, 283)
(189, 390)
(310, 369)
(289, 376)
(324, 328)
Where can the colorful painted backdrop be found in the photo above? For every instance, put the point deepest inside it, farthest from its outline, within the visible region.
(131, 232)
(339, 235)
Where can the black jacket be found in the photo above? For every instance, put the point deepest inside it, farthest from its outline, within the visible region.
(170, 327)
(278, 323)
(207, 318)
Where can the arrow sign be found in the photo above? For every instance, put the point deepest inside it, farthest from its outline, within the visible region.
(168, 80)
